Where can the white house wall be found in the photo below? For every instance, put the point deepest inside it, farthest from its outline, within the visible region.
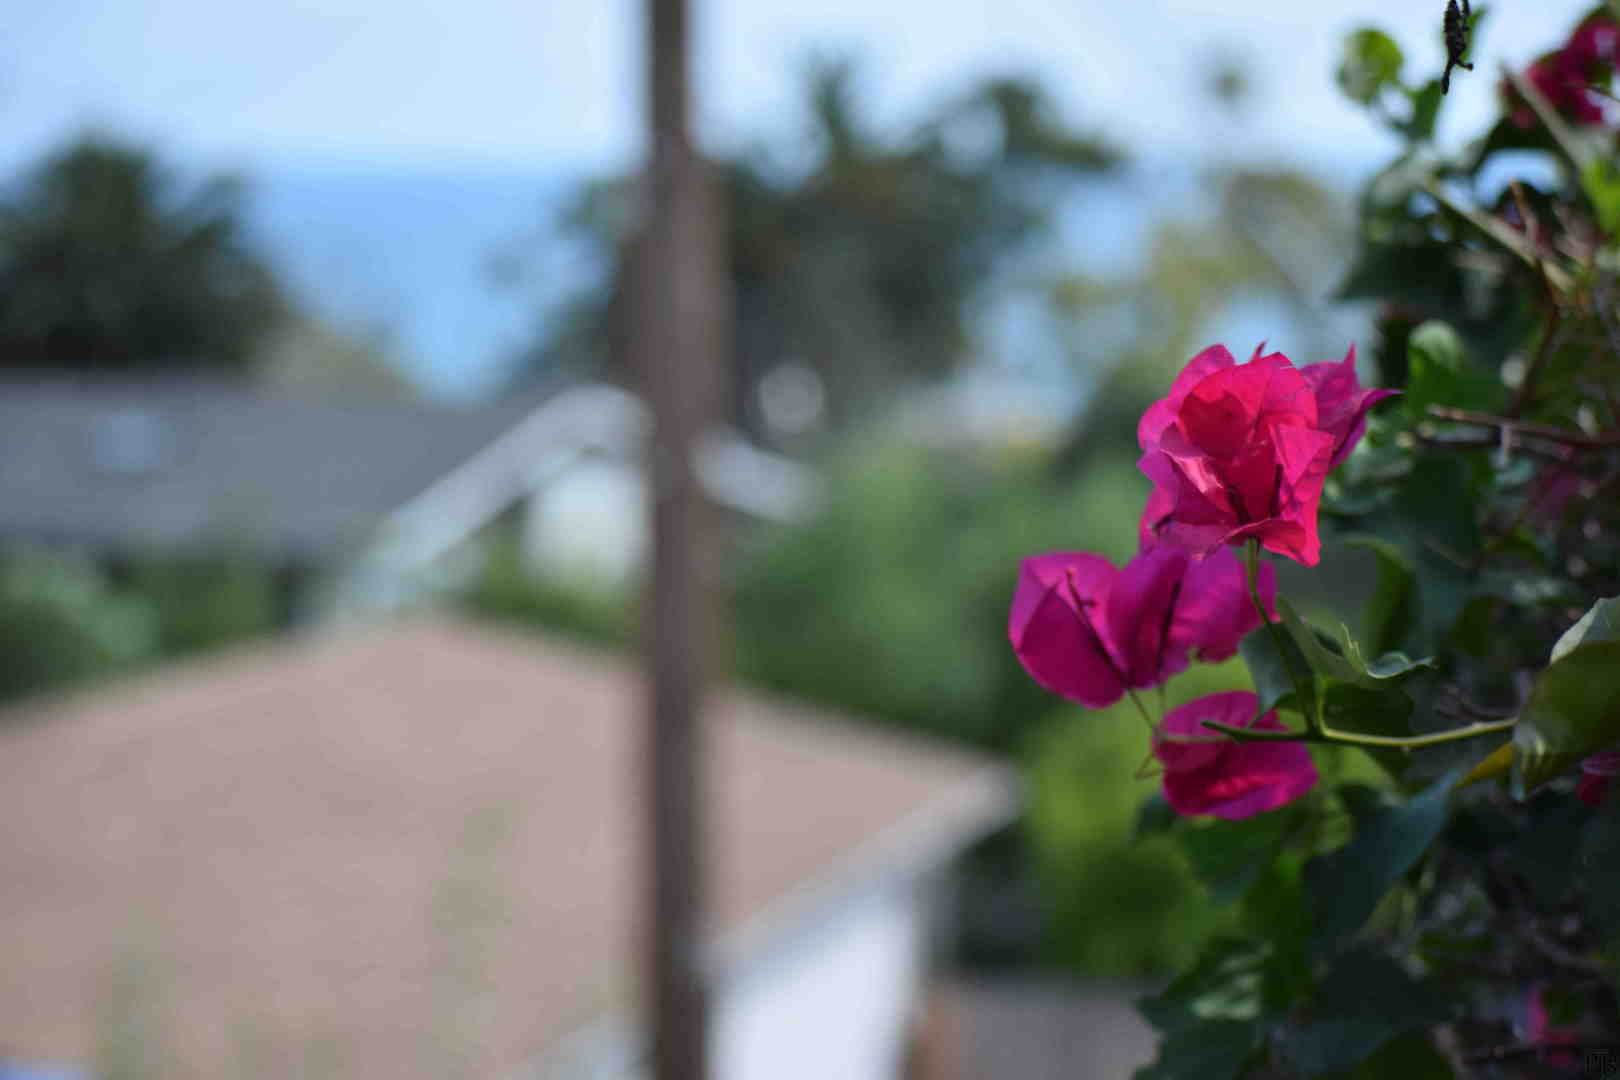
(589, 523)
(834, 1003)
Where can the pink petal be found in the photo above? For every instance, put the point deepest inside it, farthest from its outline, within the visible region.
(1602, 763)
(1053, 637)
(1596, 40)
(1234, 707)
(1138, 616)
(1159, 506)
(1300, 451)
(1287, 397)
(1177, 509)
(1342, 403)
(1215, 611)
(1162, 413)
(1217, 418)
(1229, 779)
(1538, 1031)
(1258, 777)
(1091, 574)
(1593, 789)
(1223, 413)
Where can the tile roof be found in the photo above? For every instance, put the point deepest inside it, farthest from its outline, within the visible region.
(406, 852)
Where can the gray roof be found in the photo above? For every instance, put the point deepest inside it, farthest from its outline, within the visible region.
(192, 463)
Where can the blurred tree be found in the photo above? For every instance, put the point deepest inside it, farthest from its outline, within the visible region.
(1271, 246)
(856, 269)
(304, 354)
(105, 267)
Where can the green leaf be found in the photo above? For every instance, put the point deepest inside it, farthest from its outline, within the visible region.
(1474, 630)
(1349, 883)
(1389, 615)
(1364, 1001)
(1600, 179)
(1599, 857)
(1230, 856)
(1436, 343)
(1422, 274)
(1496, 763)
(1410, 1056)
(1432, 516)
(1271, 668)
(1363, 800)
(1215, 1051)
(1344, 663)
(1278, 910)
(1371, 61)
(1350, 708)
(1225, 984)
(1546, 853)
(1439, 373)
(1573, 711)
(1600, 623)
(1425, 100)
(1154, 816)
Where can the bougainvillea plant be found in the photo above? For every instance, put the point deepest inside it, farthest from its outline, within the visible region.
(1455, 911)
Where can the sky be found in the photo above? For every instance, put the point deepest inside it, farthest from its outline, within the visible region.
(554, 84)
(394, 146)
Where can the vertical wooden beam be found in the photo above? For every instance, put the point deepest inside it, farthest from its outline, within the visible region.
(679, 311)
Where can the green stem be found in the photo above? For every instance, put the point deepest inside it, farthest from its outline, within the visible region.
(1351, 738)
(1313, 717)
(1141, 709)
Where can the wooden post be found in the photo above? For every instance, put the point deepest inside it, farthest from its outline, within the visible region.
(679, 307)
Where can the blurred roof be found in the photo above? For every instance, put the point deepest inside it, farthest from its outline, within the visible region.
(174, 462)
(410, 852)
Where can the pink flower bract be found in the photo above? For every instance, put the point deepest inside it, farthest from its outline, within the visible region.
(1240, 451)
(1557, 1042)
(1597, 776)
(1089, 631)
(1207, 774)
(1575, 78)
(1342, 403)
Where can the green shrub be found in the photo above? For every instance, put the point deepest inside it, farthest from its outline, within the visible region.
(508, 591)
(892, 602)
(1116, 905)
(202, 603)
(60, 623)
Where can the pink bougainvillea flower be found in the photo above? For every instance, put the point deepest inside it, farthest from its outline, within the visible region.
(1158, 508)
(1236, 452)
(1555, 485)
(1566, 88)
(1597, 776)
(1089, 631)
(1595, 42)
(1554, 1041)
(1574, 78)
(1342, 403)
(1206, 774)
(1241, 451)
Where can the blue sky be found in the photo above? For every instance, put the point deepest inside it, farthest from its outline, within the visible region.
(553, 83)
(395, 146)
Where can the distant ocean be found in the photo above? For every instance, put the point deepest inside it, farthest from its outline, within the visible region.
(409, 253)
